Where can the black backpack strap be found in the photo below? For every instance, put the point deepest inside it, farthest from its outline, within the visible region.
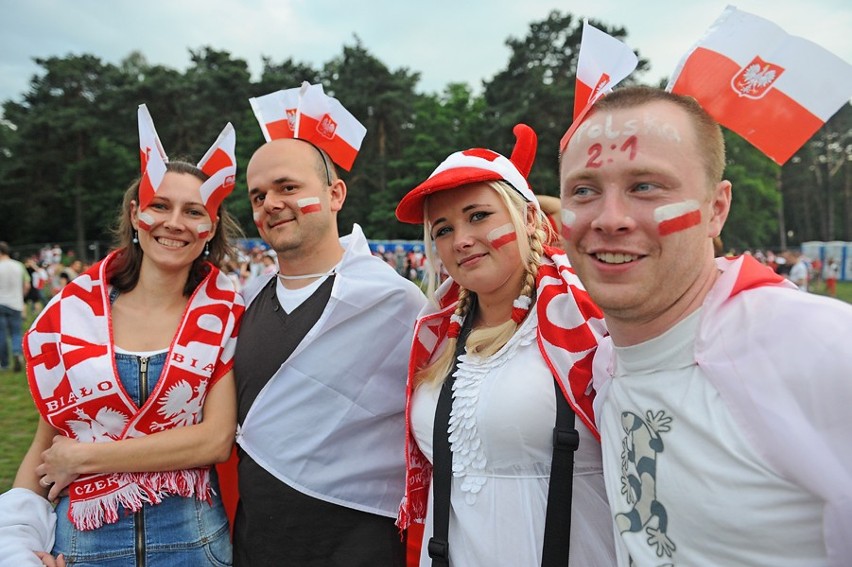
(442, 456)
(557, 527)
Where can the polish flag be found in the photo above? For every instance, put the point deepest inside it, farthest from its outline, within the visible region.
(276, 113)
(502, 235)
(307, 113)
(603, 62)
(152, 157)
(220, 163)
(773, 89)
(677, 216)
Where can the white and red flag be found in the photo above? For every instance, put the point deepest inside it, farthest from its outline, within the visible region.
(307, 113)
(603, 62)
(152, 157)
(773, 89)
(220, 164)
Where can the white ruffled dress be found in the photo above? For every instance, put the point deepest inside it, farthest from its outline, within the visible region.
(501, 429)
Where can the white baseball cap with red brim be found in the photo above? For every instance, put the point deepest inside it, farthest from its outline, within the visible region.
(476, 165)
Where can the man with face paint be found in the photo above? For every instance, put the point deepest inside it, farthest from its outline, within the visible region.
(320, 369)
(724, 427)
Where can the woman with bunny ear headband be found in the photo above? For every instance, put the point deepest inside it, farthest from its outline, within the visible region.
(130, 369)
(513, 332)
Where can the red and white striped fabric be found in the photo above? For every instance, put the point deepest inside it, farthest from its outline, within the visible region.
(220, 163)
(773, 89)
(152, 157)
(603, 62)
(307, 113)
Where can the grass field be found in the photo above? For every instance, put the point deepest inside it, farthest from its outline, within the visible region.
(18, 416)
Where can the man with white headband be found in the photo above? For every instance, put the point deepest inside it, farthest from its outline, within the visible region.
(322, 356)
(723, 393)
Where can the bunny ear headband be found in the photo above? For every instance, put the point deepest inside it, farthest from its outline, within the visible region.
(219, 164)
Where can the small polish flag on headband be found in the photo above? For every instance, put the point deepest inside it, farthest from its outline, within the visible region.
(152, 157)
(219, 163)
(307, 113)
(773, 89)
(603, 63)
(677, 216)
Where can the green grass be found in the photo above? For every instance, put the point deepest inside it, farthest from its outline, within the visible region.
(18, 419)
(18, 416)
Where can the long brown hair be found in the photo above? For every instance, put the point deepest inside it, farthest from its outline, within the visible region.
(124, 271)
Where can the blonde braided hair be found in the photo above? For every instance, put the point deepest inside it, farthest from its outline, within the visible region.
(487, 341)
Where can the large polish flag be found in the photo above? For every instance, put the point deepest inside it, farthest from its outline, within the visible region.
(220, 164)
(309, 114)
(152, 157)
(773, 89)
(603, 62)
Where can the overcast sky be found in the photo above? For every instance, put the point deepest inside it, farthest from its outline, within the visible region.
(446, 41)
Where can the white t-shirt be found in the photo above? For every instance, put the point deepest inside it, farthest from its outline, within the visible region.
(685, 486)
(12, 277)
(501, 431)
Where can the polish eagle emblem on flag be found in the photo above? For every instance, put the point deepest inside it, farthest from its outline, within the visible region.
(291, 118)
(327, 126)
(755, 79)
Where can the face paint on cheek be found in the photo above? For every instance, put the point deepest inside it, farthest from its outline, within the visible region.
(204, 229)
(256, 218)
(146, 221)
(309, 205)
(568, 218)
(501, 236)
(677, 216)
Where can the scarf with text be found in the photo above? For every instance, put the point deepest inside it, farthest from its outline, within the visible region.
(74, 383)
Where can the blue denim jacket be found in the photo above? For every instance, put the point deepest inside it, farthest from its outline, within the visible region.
(178, 531)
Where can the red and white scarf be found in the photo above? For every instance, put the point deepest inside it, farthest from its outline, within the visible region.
(76, 388)
(569, 328)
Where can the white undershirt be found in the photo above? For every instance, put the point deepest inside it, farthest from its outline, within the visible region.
(290, 299)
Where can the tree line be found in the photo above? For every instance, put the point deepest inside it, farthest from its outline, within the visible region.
(69, 146)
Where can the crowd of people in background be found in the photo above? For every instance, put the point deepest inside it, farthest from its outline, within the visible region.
(809, 274)
(52, 268)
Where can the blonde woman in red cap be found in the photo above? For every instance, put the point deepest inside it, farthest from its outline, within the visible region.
(130, 369)
(503, 457)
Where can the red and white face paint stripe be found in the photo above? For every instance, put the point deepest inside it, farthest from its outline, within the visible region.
(204, 229)
(502, 235)
(146, 220)
(256, 218)
(677, 216)
(568, 217)
(309, 205)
